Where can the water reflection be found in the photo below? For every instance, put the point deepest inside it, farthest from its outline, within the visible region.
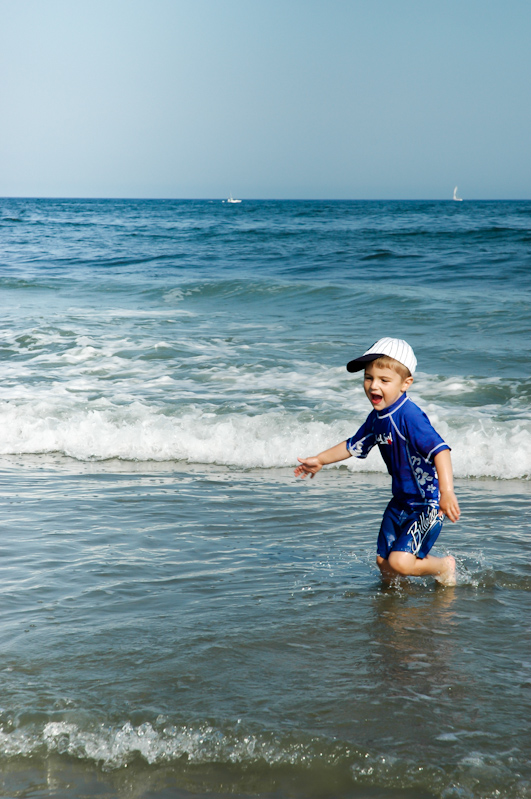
(414, 649)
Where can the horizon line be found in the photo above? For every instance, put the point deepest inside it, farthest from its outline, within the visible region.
(263, 199)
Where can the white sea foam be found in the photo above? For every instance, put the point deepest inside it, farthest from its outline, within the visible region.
(482, 446)
(132, 398)
(115, 746)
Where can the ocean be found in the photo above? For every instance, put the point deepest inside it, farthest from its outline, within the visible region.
(179, 615)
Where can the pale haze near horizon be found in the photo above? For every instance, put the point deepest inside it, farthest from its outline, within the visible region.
(307, 99)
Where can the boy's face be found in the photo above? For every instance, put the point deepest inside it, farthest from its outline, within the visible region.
(383, 386)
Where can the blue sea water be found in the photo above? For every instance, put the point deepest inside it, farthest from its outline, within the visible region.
(179, 615)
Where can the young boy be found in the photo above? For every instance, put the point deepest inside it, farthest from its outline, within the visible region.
(416, 457)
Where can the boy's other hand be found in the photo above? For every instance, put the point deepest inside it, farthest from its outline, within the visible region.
(449, 505)
(308, 466)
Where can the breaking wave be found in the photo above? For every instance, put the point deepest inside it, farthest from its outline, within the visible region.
(481, 447)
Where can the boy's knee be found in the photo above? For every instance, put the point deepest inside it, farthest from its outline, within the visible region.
(401, 562)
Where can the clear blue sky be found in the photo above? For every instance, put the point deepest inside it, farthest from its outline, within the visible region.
(346, 99)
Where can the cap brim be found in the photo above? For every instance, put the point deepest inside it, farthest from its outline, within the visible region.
(359, 363)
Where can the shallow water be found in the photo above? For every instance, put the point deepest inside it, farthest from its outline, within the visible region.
(222, 632)
(180, 616)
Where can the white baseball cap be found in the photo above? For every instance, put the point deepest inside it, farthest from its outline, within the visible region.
(393, 347)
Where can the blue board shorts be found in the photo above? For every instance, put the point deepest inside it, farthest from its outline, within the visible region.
(413, 530)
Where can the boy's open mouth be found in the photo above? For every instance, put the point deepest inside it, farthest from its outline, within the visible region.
(376, 398)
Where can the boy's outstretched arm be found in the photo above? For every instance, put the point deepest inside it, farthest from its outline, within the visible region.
(314, 464)
(448, 503)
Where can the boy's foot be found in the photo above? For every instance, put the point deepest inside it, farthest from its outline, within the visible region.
(447, 574)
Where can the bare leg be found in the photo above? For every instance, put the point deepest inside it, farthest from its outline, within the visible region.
(407, 565)
(389, 575)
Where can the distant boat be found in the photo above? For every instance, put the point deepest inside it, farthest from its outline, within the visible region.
(232, 200)
(456, 198)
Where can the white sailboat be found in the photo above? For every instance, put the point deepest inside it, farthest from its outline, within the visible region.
(456, 198)
(232, 200)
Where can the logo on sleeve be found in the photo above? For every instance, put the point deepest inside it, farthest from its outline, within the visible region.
(384, 438)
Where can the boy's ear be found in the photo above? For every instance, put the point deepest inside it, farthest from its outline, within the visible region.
(406, 384)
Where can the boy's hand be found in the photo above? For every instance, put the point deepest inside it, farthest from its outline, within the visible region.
(312, 465)
(308, 466)
(449, 505)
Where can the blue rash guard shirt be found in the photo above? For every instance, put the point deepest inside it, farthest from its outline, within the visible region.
(408, 443)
